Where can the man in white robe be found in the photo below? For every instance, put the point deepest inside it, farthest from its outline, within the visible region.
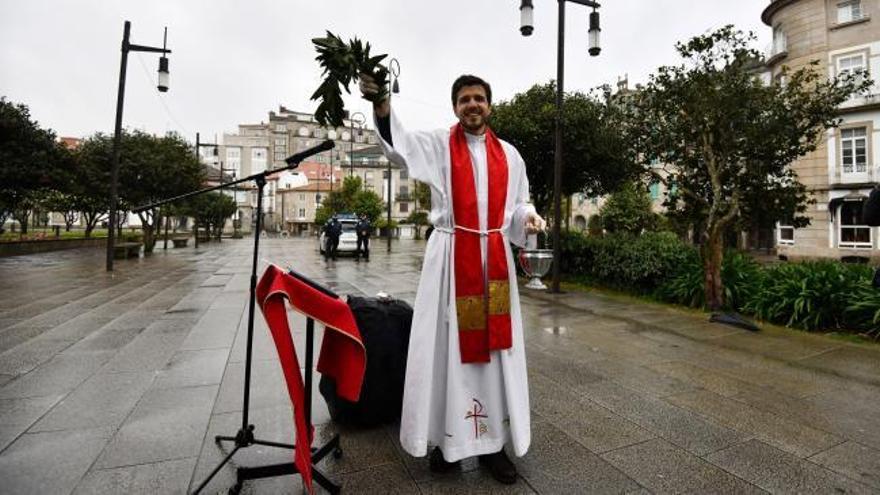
(462, 409)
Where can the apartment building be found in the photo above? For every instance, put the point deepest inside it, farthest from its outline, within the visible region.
(842, 35)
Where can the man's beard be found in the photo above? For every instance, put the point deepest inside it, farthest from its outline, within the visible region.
(473, 127)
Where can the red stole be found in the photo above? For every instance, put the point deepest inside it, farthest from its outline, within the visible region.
(342, 352)
(483, 309)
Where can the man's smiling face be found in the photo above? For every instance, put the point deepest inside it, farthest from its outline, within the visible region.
(472, 109)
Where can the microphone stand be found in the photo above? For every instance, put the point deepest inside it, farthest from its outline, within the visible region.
(245, 436)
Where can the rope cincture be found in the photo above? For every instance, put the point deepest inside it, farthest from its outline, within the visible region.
(481, 233)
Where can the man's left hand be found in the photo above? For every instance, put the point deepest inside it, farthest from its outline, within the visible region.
(535, 224)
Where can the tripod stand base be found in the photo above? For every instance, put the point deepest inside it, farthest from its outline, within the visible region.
(245, 438)
(272, 470)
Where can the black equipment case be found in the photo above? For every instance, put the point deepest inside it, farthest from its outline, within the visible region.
(385, 327)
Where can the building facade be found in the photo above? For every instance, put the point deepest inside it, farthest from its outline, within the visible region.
(842, 35)
(258, 147)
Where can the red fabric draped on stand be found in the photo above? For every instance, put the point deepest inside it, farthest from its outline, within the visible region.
(342, 351)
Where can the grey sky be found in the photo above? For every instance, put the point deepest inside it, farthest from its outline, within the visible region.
(233, 61)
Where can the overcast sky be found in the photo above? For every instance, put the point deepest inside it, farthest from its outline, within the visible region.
(234, 61)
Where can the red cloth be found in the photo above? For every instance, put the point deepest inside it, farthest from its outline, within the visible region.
(483, 316)
(342, 352)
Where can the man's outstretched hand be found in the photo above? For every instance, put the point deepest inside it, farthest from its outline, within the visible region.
(535, 224)
(369, 89)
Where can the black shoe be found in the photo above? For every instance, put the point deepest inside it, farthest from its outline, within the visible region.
(439, 464)
(500, 467)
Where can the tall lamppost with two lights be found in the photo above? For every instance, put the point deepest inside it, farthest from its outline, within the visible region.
(526, 28)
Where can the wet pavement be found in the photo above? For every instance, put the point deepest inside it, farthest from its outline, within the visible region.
(119, 383)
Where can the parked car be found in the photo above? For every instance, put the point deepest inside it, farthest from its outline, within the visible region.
(348, 239)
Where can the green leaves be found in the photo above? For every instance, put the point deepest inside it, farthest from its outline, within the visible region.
(342, 64)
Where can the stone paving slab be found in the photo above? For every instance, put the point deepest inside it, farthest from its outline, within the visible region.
(119, 383)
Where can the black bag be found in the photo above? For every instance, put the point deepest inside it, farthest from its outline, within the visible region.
(384, 326)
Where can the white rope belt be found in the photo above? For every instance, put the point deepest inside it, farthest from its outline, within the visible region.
(483, 233)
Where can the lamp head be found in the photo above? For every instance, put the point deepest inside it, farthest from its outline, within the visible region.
(594, 47)
(526, 22)
(164, 76)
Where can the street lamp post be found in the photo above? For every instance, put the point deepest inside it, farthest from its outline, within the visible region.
(526, 28)
(199, 146)
(162, 86)
(360, 123)
(394, 68)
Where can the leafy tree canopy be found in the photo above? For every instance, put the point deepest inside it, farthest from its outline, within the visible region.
(596, 157)
(351, 198)
(726, 139)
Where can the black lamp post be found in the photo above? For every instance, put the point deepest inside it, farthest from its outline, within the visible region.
(360, 123)
(394, 68)
(162, 86)
(526, 28)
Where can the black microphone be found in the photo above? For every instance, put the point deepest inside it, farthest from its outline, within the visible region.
(302, 155)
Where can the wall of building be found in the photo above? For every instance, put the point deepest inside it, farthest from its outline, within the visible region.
(812, 32)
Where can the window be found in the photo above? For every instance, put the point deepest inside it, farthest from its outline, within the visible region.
(233, 160)
(404, 207)
(384, 174)
(302, 197)
(785, 234)
(258, 160)
(849, 11)
(281, 128)
(852, 63)
(852, 233)
(302, 212)
(853, 150)
(404, 190)
(404, 174)
(319, 133)
(780, 43)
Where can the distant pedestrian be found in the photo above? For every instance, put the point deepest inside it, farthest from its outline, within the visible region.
(363, 238)
(332, 231)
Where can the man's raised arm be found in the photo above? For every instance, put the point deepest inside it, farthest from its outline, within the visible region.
(382, 109)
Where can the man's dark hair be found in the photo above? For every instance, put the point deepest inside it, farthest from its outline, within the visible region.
(469, 80)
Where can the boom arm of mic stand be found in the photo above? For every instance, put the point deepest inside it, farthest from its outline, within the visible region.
(293, 161)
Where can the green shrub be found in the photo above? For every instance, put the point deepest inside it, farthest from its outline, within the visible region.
(863, 313)
(811, 295)
(633, 263)
(741, 275)
(686, 286)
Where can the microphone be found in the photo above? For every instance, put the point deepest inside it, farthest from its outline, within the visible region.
(302, 155)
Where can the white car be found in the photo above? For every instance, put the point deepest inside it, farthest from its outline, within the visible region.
(348, 239)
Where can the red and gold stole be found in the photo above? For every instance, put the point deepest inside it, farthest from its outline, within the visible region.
(483, 309)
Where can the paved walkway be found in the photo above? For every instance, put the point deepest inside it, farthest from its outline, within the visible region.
(118, 384)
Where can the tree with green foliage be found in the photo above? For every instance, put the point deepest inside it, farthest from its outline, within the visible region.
(628, 210)
(350, 198)
(90, 187)
(210, 210)
(151, 168)
(597, 158)
(422, 195)
(419, 219)
(29, 161)
(728, 138)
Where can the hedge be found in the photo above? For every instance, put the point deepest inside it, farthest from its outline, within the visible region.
(816, 295)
